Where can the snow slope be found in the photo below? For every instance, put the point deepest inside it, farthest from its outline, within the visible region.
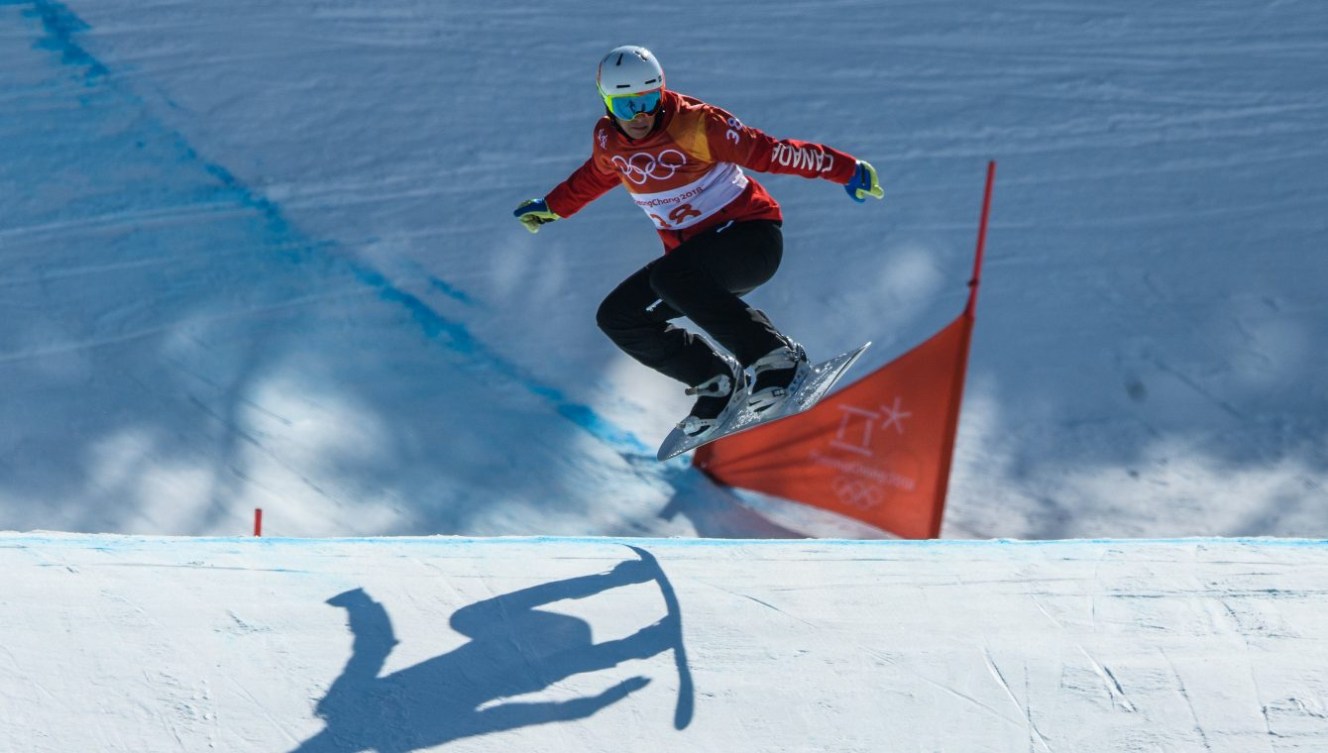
(499, 644)
(261, 254)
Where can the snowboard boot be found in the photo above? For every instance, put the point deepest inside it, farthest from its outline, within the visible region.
(779, 374)
(717, 399)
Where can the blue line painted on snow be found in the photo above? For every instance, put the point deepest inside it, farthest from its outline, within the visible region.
(449, 290)
(60, 25)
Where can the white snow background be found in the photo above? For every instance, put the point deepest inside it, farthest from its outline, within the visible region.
(262, 255)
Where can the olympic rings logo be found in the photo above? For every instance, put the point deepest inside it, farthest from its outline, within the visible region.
(859, 494)
(644, 166)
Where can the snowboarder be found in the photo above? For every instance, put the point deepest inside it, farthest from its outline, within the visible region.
(682, 161)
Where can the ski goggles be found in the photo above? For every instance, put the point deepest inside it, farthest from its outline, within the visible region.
(628, 106)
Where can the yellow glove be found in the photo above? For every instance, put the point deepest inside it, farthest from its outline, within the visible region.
(864, 183)
(534, 213)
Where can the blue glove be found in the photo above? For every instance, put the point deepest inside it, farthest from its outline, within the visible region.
(534, 213)
(864, 183)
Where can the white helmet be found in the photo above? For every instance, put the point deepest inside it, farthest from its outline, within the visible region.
(629, 70)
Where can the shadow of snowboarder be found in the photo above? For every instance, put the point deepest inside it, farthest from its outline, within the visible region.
(514, 648)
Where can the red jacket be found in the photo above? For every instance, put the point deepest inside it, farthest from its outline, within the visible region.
(687, 175)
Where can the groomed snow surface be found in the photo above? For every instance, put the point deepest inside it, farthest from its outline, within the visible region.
(260, 254)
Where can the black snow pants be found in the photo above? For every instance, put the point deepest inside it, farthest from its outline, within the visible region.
(702, 279)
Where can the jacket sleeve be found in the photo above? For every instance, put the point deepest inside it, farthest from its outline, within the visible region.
(732, 141)
(587, 183)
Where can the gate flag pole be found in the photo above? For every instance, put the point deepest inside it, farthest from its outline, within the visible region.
(982, 242)
(961, 371)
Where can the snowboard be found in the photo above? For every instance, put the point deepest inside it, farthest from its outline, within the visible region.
(817, 385)
(682, 712)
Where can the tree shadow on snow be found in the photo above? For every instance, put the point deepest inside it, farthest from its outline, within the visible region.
(515, 648)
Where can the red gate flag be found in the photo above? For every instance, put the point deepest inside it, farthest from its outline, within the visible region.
(878, 450)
